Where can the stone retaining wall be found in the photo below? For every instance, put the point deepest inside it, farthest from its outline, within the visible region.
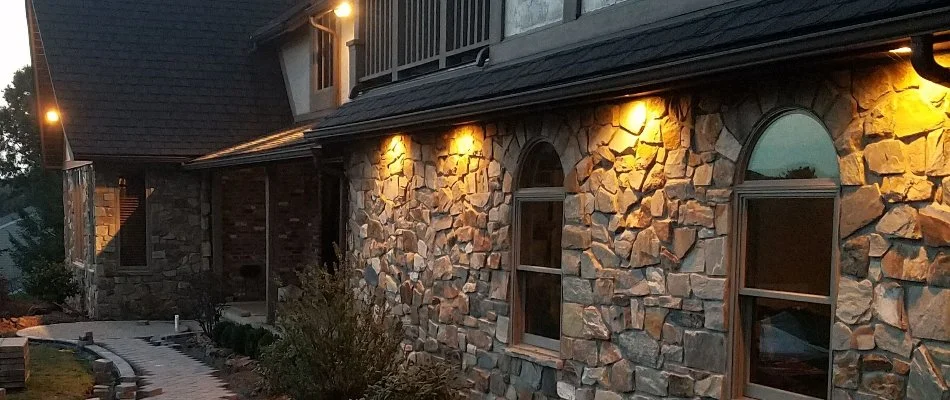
(646, 241)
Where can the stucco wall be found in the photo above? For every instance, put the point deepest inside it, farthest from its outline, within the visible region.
(647, 238)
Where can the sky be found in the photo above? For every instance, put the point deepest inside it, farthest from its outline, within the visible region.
(14, 44)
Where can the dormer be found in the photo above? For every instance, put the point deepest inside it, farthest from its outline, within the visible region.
(311, 41)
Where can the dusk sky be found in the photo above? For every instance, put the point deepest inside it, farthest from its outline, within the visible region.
(14, 48)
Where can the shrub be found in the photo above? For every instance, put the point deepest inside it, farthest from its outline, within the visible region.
(340, 341)
(50, 282)
(416, 382)
(243, 339)
(204, 300)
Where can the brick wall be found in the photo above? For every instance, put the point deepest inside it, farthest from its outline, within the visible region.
(243, 232)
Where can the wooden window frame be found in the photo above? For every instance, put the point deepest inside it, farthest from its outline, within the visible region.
(327, 96)
(118, 221)
(740, 335)
(740, 300)
(521, 198)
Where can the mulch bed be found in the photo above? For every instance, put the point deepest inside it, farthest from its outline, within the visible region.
(20, 313)
(240, 372)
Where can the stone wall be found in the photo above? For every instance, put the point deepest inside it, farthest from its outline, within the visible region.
(177, 229)
(647, 239)
(78, 186)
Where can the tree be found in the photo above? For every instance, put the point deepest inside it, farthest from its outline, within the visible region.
(19, 136)
(39, 249)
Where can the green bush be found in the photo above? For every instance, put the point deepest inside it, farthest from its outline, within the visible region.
(341, 342)
(50, 282)
(243, 339)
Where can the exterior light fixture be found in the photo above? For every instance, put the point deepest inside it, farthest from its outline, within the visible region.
(901, 51)
(343, 10)
(52, 116)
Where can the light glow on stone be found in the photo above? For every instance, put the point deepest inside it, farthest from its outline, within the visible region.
(396, 147)
(636, 117)
(931, 92)
(465, 143)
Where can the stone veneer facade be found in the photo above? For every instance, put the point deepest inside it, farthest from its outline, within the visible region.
(646, 242)
(177, 228)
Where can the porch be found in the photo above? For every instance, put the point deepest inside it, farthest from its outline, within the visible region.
(265, 221)
(252, 313)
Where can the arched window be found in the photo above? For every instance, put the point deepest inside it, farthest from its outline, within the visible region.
(786, 270)
(538, 208)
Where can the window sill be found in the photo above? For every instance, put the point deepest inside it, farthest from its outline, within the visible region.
(537, 355)
(132, 271)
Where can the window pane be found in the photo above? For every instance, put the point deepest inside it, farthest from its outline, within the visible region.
(132, 222)
(789, 245)
(541, 168)
(540, 242)
(541, 294)
(790, 345)
(524, 15)
(794, 146)
(591, 5)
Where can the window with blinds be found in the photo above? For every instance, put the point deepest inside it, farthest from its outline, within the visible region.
(132, 222)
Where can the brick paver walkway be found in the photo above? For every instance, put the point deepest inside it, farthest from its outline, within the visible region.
(180, 377)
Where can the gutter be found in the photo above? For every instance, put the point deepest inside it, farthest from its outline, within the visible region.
(922, 59)
(302, 150)
(816, 44)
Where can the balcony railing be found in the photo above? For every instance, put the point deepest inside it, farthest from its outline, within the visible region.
(409, 37)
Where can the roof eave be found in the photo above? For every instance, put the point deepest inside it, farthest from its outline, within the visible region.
(287, 22)
(638, 80)
(297, 151)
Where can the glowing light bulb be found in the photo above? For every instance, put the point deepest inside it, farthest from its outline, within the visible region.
(902, 50)
(52, 116)
(343, 10)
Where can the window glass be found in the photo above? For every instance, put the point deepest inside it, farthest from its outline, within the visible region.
(794, 146)
(542, 304)
(542, 168)
(525, 15)
(789, 244)
(541, 234)
(591, 5)
(132, 220)
(789, 346)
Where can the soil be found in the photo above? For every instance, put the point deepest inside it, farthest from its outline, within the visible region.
(20, 313)
(239, 372)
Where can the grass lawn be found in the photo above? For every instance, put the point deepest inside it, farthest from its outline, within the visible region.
(55, 374)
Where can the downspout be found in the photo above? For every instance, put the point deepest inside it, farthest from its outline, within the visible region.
(922, 58)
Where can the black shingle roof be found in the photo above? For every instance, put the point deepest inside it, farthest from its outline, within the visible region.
(161, 77)
(758, 22)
